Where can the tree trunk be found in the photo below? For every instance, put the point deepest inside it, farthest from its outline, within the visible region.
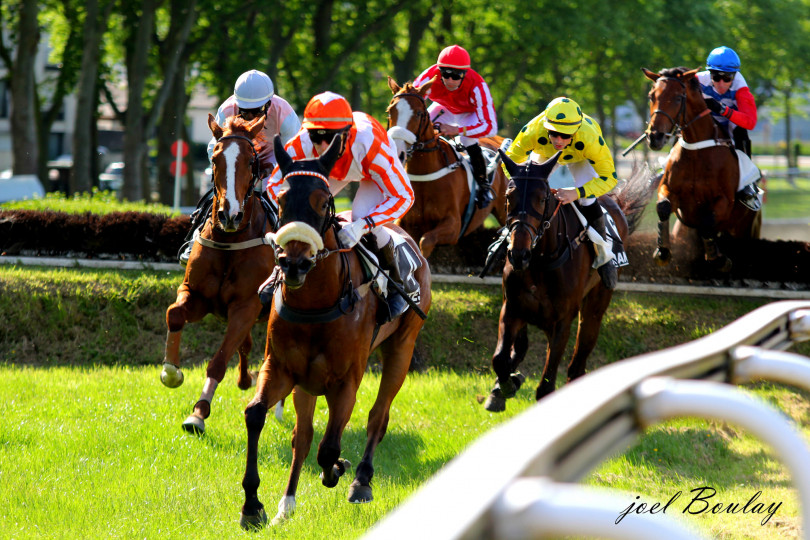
(25, 148)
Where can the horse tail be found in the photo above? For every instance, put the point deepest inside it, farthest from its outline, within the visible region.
(634, 195)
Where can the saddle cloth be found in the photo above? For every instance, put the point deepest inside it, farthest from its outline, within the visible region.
(608, 250)
(408, 261)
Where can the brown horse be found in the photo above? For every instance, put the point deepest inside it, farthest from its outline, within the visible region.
(229, 261)
(442, 195)
(702, 174)
(548, 277)
(323, 326)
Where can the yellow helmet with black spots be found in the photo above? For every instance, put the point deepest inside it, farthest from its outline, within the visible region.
(563, 115)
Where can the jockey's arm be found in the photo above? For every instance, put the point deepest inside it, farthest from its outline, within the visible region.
(602, 161)
(390, 177)
(746, 114)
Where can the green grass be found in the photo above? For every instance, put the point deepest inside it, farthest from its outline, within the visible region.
(96, 202)
(785, 201)
(91, 445)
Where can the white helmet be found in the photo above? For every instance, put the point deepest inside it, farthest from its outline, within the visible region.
(252, 89)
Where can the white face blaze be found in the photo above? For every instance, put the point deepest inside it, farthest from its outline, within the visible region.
(230, 154)
(400, 133)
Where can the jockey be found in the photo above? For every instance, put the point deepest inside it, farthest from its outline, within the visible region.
(732, 105)
(253, 96)
(563, 126)
(369, 157)
(462, 105)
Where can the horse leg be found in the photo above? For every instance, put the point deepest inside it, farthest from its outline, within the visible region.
(396, 354)
(237, 333)
(590, 322)
(445, 233)
(509, 332)
(187, 308)
(341, 402)
(245, 378)
(271, 386)
(557, 341)
(663, 254)
(303, 434)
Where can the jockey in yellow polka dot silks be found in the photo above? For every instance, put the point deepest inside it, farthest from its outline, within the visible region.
(563, 127)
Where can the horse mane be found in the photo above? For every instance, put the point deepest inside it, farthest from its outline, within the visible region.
(676, 73)
(407, 88)
(236, 125)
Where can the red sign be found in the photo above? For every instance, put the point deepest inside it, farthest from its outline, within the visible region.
(183, 168)
(183, 148)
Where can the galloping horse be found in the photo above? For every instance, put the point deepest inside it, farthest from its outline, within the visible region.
(323, 326)
(548, 277)
(702, 174)
(442, 196)
(228, 263)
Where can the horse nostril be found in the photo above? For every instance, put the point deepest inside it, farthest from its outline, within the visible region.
(223, 217)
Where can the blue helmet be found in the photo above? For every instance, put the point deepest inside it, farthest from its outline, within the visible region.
(723, 59)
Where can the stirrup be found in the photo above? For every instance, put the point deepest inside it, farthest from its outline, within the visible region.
(484, 196)
(749, 197)
(185, 252)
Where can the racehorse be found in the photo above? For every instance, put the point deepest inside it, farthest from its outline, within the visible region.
(323, 326)
(548, 277)
(442, 196)
(229, 261)
(702, 173)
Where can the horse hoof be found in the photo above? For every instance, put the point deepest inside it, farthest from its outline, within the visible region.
(662, 256)
(359, 493)
(196, 425)
(338, 470)
(495, 402)
(171, 376)
(254, 523)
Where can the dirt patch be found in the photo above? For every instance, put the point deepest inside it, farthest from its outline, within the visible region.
(756, 263)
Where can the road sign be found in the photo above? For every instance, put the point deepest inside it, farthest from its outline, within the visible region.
(183, 168)
(182, 146)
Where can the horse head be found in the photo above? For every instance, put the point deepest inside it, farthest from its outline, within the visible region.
(306, 211)
(235, 164)
(527, 206)
(673, 90)
(409, 123)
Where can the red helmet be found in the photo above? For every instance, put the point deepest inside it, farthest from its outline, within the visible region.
(454, 57)
(327, 111)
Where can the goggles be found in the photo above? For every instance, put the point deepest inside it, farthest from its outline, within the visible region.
(252, 114)
(558, 135)
(318, 136)
(449, 73)
(718, 76)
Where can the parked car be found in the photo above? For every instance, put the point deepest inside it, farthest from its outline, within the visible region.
(19, 187)
(112, 179)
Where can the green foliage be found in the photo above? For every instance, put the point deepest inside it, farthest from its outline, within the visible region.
(96, 202)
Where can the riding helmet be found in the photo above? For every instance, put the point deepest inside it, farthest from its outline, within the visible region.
(723, 59)
(563, 115)
(454, 57)
(252, 89)
(327, 111)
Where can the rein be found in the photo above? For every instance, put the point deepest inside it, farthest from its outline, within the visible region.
(677, 130)
(421, 145)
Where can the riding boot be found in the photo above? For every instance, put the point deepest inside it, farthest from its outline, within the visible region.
(198, 217)
(391, 262)
(596, 219)
(483, 195)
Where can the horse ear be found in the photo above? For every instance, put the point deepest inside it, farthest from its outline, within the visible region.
(215, 129)
(282, 157)
(330, 157)
(545, 168)
(689, 74)
(425, 87)
(257, 125)
(650, 74)
(392, 84)
(511, 167)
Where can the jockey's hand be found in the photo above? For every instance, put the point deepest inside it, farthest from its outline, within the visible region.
(565, 195)
(350, 234)
(448, 131)
(715, 106)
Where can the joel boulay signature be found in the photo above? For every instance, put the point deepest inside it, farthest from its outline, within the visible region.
(700, 501)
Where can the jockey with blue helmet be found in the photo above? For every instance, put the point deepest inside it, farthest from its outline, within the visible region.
(732, 105)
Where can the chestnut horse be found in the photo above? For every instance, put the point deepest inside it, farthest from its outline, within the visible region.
(323, 326)
(442, 196)
(702, 175)
(229, 261)
(548, 277)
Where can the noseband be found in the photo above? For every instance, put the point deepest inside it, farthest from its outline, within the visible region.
(522, 214)
(677, 129)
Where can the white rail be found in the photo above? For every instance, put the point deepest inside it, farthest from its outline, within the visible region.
(517, 480)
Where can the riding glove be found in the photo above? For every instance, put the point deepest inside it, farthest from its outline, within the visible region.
(350, 234)
(715, 106)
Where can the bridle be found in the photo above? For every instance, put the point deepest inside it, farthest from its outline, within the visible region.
(676, 130)
(520, 215)
(424, 122)
(254, 166)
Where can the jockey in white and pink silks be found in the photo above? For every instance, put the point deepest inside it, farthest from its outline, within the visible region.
(368, 156)
(462, 106)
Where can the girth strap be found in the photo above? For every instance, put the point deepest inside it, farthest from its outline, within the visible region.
(230, 246)
(342, 306)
